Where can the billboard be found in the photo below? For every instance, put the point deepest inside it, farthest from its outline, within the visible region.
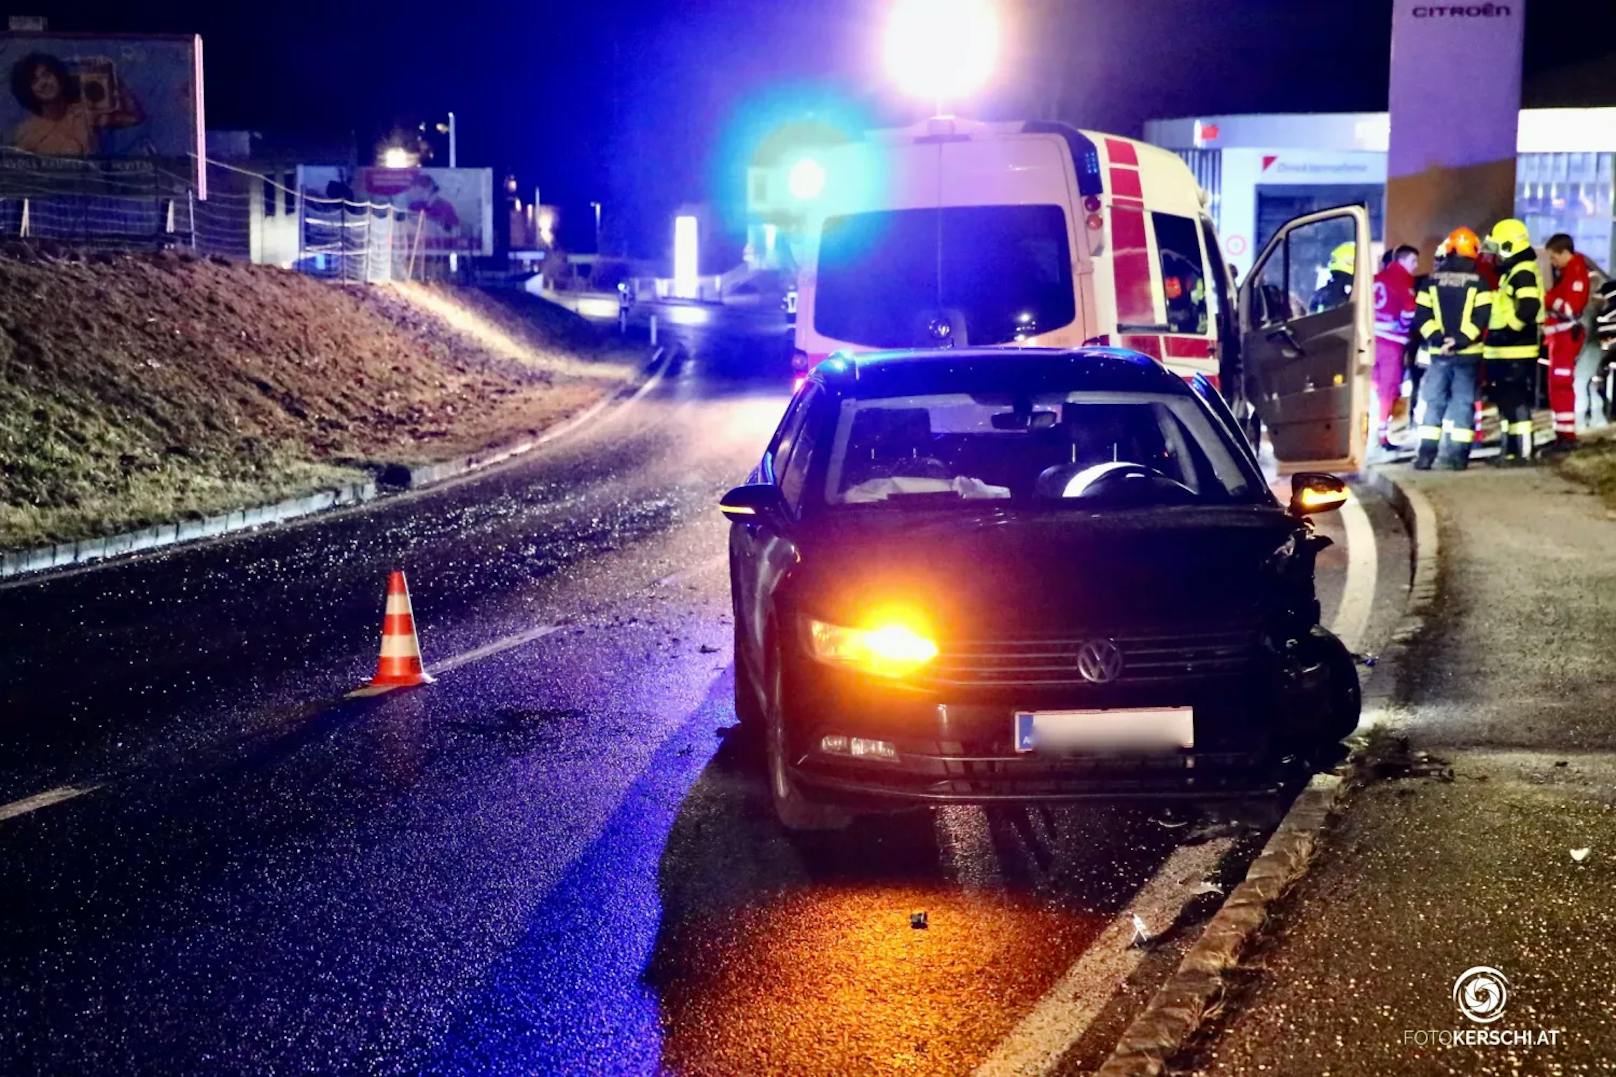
(446, 210)
(87, 103)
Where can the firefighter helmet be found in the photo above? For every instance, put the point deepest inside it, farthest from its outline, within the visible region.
(1344, 258)
(1463, 242)
(1510, 236)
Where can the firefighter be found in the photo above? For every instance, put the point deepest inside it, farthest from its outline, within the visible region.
(1564, 336)
(1513, 341)
(1451, 314)
(1336, 291)
(1394, 310)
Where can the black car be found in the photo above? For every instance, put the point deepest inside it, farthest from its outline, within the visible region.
(1023, 575)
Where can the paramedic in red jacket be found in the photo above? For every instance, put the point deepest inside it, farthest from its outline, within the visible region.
(1563, 335)
(1394, 310)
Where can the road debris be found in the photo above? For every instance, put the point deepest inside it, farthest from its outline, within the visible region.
(1579, 855)
(917, 920)
(1141, 931)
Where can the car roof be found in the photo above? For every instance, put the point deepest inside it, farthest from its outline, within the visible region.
(995, 370)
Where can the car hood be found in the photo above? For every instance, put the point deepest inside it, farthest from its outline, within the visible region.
(1170, 569)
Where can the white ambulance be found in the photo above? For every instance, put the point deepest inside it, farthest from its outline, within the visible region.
(956, 233)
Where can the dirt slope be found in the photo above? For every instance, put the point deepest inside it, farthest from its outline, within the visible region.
(140, 388)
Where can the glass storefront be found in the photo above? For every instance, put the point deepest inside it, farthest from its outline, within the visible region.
(1570, 193)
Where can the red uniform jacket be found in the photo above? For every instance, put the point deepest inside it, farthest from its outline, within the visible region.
(1394, 303)
(1566, 300)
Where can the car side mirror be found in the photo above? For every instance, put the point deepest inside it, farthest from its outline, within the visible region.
(745, 504)
(1316, 491)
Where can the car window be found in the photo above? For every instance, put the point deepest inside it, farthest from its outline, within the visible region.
(785, 436)
(1277, 303)
(1306, 274)
(1002, 273)
(1183, 274)
(794, 470)
(1043, 450)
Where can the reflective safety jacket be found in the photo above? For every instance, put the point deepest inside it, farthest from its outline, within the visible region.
(1512, 330)
(1605, 320)
(1456, 303)
(1394, 303)
(1568, 298)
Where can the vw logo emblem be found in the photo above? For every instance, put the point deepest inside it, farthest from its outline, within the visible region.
(1099, 661)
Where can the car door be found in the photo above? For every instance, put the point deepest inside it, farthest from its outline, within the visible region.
(1307, 346)
(755, 545)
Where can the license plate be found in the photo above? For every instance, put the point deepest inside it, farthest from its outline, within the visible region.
(1124, 730)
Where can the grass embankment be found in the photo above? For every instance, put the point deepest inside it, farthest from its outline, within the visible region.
(1593, 464)
(138, 389)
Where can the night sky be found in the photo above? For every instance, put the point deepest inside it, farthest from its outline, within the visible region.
(645, 105)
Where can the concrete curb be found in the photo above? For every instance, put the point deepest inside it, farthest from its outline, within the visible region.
(65, 554)
(40, 559)
(1196, 987)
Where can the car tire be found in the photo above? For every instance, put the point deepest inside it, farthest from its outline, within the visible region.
(794, 810)
(1345, 702)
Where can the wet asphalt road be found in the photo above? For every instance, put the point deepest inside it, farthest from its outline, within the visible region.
(556, 858)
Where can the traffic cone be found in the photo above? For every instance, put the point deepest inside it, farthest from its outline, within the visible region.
(400, 665)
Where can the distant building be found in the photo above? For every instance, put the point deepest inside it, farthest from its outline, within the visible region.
(253, 210)
(1261, 170)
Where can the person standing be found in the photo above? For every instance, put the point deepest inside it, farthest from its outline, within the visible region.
(1394, 311)
(1450, 315)
(1564, 335)
(1513, 341)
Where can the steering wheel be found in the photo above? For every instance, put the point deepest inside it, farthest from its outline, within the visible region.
(1130, 480)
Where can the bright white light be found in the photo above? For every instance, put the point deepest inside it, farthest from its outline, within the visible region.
(806, 180)
(396, 157)
(687, 315)
(941, 50)
(684, 257)
(595, 307)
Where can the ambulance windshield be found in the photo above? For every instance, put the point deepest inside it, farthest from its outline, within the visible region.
(961, 275)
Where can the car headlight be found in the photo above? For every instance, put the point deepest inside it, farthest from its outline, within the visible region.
(888, 649)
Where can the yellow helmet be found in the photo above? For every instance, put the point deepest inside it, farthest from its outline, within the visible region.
(1510, 237)
(1344, 259)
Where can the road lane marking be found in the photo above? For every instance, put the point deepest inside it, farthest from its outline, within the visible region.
(1351, 620)
(1037, 1044)
(498, 646)
(44, 800)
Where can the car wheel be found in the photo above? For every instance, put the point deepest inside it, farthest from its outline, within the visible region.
(1345, 701)
(794, 810)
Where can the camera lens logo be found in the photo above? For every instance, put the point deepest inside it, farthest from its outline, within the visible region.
(1481, 993)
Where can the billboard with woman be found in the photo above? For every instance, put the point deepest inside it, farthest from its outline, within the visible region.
(106, 99)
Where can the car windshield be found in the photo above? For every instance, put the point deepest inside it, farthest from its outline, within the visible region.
(1048, 449)
(996, 274)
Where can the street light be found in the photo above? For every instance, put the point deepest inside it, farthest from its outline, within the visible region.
(941, 50)
(396, 157)
(805, 180)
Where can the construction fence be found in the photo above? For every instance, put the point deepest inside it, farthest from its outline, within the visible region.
(247, 216)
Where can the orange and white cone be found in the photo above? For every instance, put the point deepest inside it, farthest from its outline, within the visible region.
(400, 665)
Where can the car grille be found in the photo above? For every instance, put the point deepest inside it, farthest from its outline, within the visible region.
(1145, 659)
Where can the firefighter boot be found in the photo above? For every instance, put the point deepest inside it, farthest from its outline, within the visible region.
(1426, 456)
(1455, 456)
